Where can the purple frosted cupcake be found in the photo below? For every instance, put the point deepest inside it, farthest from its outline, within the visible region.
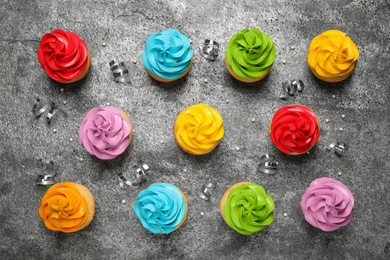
(106, 132)
(327, 204)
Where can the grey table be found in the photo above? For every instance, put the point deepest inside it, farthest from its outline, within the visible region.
(115, 232)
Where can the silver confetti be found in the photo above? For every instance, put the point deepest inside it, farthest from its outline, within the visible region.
(209, 50)
(268, 164)
(120, 71)
(49, 107)
(206, 191)
(291, 87)
(46, 179)
(339, 148)
(141, 169)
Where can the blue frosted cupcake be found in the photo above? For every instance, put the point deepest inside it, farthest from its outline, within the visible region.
(161, 208)
(167, 56)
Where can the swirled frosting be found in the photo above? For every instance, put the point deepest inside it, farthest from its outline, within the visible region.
(327, 204)
(105, 133)
(167, 54)
(332, 53)
(160, 208)
(294, 129)
(199, 129)
(64, 208)
(248, 208)
(63, 55)
(250, 53)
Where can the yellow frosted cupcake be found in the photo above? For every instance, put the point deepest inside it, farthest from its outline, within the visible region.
(332, 56)
(198, 129)
(67, 207)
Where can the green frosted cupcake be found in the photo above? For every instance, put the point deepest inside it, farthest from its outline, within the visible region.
(246, 208)
(250, 55)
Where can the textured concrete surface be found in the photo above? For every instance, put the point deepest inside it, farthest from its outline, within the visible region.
(115, 233)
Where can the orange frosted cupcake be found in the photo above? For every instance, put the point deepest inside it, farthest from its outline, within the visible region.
(67, 207)
(64, 56)
(332, 56)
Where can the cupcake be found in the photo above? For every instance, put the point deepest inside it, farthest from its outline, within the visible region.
(294, 129)
(167, 56)
(64, 56)
(332, 56)
(106, 132)
(327, 204)
(246, 208)
(198, 129)
(250, 55)
(161, 208)
(67, 207)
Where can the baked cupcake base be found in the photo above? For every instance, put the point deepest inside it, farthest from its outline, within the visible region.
(251, 80)
(331, 79)
(90, 202)
(169, 80)
(128, 119)
(84, 73)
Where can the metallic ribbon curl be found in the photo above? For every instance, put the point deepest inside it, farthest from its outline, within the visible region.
(209, 49)
(206, 191)
(120, 71)
(291, 87)
(339, 148)
(47, 179)
(51, 108)
(268, 164)
(141, 169)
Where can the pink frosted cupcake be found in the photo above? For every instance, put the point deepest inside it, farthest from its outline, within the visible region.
(106, 132)
(327, 204)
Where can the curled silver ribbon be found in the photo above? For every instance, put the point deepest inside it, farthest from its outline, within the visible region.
(45, 179)
(50, 107)
(205, 193)
(141, 169)
(268, 164)
(339, 148)
(291, 87)
(209, 50)
(120, 71)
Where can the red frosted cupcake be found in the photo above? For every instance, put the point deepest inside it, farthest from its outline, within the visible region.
(64, 56)
(295, 129)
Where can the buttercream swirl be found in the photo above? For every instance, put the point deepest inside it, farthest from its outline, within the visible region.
(198, 129)
(294, 129)
(332, 53)
(160, 208)
(327, 204)
(105, 132)
(250, 53)
(63, 55)
(248, 208)
(167, 54)
(64, 208)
